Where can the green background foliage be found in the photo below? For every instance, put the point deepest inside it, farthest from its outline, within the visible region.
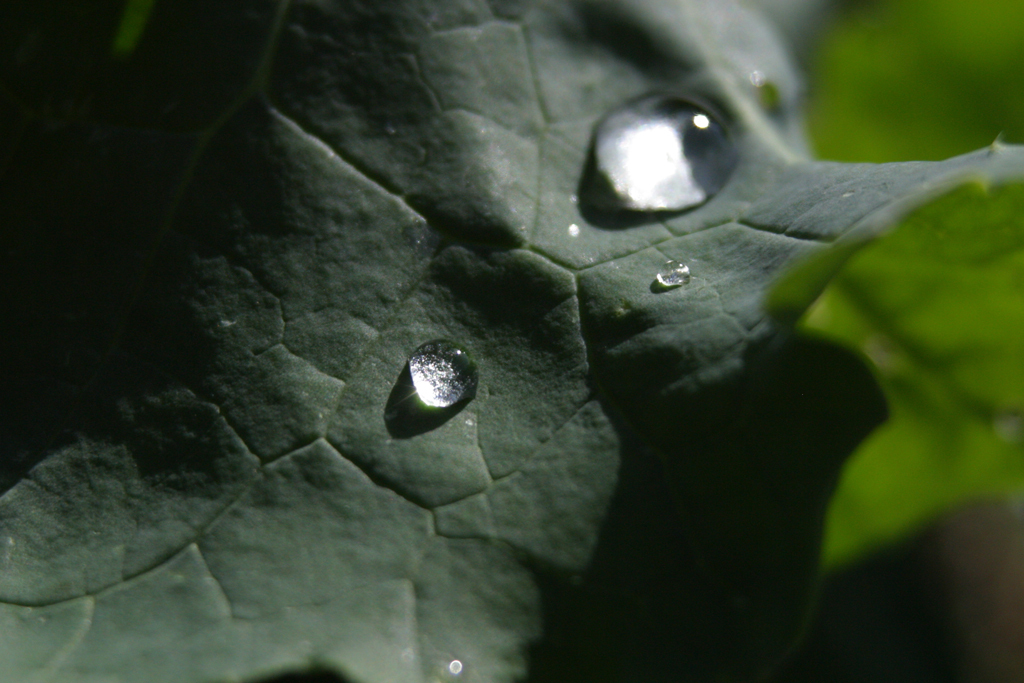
(902, 80)
(899, 80)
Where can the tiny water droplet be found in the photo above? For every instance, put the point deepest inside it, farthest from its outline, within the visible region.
(574, 230)
(455, 667)
(848, 193)
(767, 91)
(673, 274)
(659, 154)
(442, 374)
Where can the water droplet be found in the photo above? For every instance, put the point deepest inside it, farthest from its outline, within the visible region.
(767, 91)
(455, 667)
(659, 154)
(574, 230)
(673, 274)
(442, 374)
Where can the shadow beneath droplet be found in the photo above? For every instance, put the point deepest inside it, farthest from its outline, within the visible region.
(599, 206)
(406, 416)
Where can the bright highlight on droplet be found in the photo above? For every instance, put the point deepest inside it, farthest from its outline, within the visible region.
(648, 169)
(455, 667)
(442, 374)
(658, 154)
(574, 230)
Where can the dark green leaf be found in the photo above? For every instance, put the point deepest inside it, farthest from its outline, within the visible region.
(208, 327)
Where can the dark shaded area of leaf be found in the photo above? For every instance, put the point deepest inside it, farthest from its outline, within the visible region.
(193, 60)
(11, 124)
(616, 28)
(877, 621)
(313, 676)
(666, 592)
(72, 265)
(643, 609)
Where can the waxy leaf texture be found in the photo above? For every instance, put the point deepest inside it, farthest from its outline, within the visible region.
(219, 252)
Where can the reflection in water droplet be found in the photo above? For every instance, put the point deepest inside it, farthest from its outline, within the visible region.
(673, 274)
(659, 154)
(442, 374)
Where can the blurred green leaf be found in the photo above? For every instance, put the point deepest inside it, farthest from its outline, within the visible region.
(919, 79)
(133, 23)
(937, 305)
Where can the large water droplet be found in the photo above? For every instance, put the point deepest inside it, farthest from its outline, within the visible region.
(659, 154)
(442, 374)
(673, 274)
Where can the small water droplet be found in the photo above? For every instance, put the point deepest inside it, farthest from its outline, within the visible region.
(573, 198)
(673, 274)
(848, 193)
(767, 91)
(659, 154)
(574, 230)
(442, 374)
(455, 667)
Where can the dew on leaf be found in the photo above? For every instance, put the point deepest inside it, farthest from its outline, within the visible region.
(659, 154)
(455, 667)
(574, 230)
(767, 91)
(442, 374)
(673, 274)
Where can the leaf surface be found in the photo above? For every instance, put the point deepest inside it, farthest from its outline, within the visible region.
(226, 246)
